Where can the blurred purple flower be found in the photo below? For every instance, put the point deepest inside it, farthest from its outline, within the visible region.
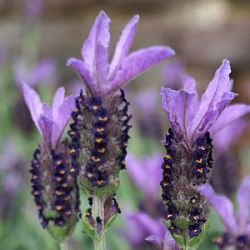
(229, 134)
(146, 174)
(145, 109)
(50, 122)
(11, 179)
(226, 162)
(236, 224)
(166, 242)
(33, 8)
(102, 77)
(42, 73)
(173, 74)
(140, 226)
(146, 100)
(191, 117)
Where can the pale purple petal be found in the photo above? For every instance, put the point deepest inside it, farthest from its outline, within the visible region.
(141, 225)
(229, 134)
(61, 119)
(102, 67)
(215, 92)
(212, 115)
(172, 75)
(170, 243)
(83, 71)
(146, 170)
(223, 207)
(243, 199)
(42, 73)
(58, 100)
(46, 125)
(123, 45)
(99, 34)
(179, 106)
(134, 170)
(137, 62)
(156, 239)
(229, 115)
(34, 104)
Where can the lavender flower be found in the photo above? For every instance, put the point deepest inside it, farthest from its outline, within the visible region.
(236, 225)
(173, 74)
(226, 162)
(53, 169)
(146, 170)
(145, 106)
(189, 149)
(101, 120)
(140, 226)
(165, 243)
(41, 73)
(11, 178)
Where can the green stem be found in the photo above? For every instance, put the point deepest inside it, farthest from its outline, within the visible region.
(98, 211)
(64, 246)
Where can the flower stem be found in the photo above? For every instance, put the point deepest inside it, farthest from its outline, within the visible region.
(64, 246)
(98, 211)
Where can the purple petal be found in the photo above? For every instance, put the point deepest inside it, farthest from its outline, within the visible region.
(61, 119)
(180, 107)
(34, 104)
(123, 45)
(141, 225)
(137, 62)
(156, 239)
(146, 170)
(99, 34)
(212, 115)
(243, 200)
(229, 115)
(223, 207)
(228, 135)
(46, 125)
(83, 71)
(102, 67)
(58, 100)
(215, 92)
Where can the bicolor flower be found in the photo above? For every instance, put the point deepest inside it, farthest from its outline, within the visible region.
(100, 127)
(53, 169)
(188, 160)
(236, 223)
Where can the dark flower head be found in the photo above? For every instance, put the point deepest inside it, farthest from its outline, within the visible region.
(102, 77)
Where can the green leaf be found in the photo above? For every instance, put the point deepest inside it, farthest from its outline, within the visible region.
(195, 241)
(87, 227)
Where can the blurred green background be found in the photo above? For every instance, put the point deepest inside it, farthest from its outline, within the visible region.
(202, 32)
